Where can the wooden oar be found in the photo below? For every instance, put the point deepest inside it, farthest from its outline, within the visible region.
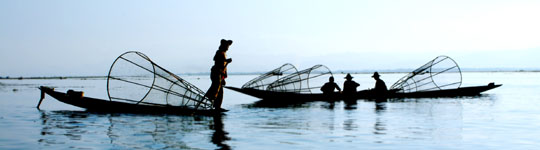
(42, 96)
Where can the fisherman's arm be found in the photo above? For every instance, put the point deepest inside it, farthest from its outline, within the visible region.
(337, 87)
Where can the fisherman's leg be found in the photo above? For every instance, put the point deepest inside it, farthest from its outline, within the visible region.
(214, 87)
(219, 98)
(212, 90)
(219, 89)
(211, 93)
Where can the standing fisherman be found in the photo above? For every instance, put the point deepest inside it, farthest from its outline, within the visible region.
(218, 73)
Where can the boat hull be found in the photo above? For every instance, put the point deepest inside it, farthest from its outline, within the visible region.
(101, 105)
(462, 91)
(364, 94)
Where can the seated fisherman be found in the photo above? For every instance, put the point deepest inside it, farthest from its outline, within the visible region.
(349, 92)
(330, 86)
(349, 86)
(380, 87)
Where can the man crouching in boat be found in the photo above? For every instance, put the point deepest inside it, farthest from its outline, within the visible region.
(329, 87)
(218, 73)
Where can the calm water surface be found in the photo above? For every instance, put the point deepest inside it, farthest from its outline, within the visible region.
(503, 118)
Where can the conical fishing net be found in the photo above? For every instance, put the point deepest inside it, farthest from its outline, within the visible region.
(438, 74)
(300, 82)
(134, 78)
(262, 82)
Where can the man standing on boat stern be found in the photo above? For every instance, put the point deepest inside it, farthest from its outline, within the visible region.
(218, 73)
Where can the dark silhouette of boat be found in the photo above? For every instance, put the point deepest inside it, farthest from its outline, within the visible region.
(137, 84)
(363, 94)
(102, 105)
(457, 92)
(440, 77)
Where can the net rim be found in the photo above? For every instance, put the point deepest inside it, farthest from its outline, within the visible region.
(457, 66)
(314, 68)
(264, 75)
(307, 79)
(144, 57)
(403, 80)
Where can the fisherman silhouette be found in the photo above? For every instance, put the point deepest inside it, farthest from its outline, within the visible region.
(330, 86)
(218, 73)
(380, 87)
(349, 90)
(349, 86)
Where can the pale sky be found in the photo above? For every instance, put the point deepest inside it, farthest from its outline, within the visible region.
(49, 38)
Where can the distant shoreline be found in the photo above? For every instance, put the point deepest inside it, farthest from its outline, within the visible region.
(234, 73)
(52, 77)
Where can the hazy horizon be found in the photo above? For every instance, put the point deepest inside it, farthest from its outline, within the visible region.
(62, 37)
(392, 71)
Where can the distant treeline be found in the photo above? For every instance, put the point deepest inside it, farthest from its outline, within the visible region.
(383, 71)
(53, 77)
(258, 73)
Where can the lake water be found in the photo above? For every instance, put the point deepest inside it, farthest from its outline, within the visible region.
(504, 118)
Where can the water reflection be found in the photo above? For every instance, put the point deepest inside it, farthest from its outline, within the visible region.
(273, 104)
(220, 136)
(380, 107)
(87, 130)
(428, 118)
(70, 125)
(374, 121)
(350, 104)
(330, 105)
(380, 125)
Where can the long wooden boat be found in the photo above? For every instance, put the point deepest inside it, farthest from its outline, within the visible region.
(101, 105)
(458, 92)
(364, 94)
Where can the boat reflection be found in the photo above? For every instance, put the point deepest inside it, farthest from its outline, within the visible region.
(380, 125)
(77, 129)
(271, 104)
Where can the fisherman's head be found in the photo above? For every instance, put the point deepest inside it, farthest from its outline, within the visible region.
(331, 79)
(224, 44)
(376, 75)
(348, 77)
